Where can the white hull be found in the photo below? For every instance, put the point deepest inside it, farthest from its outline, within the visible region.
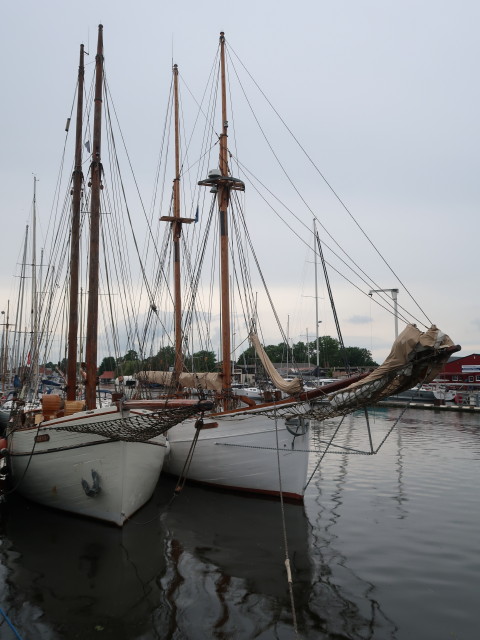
(241, 454)
(62, 470)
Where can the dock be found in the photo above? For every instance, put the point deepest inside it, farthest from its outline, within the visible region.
(430, 405)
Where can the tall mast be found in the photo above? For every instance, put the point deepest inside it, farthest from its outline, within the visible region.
(77, 179)
(177, 232)
(34, 318)
(95, 178)
(223, 199)
(177, 221)
(224, 184)
(317, 321)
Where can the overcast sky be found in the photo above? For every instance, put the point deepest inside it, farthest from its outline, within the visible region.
(384, 96)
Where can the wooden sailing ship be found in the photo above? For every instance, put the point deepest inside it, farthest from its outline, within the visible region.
(103, 462)
(241, 444)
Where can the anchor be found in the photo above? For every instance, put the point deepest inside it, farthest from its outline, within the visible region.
(95, 489)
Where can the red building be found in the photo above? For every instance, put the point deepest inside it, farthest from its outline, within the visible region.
(108, 377)
(462, 370)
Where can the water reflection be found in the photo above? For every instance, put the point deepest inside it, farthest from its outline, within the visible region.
(72, 578)
(374, 531)
(357, 613)
(208, 565)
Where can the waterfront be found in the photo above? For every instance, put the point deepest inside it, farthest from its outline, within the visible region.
(385, 547)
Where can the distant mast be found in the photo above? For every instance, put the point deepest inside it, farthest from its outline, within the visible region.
(77, 180)
(34, 319)
(96, 177)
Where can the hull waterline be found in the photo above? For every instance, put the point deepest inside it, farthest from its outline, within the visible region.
(253, 454)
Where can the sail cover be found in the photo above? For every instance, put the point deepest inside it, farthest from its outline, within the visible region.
(287, 386)
(206, 381)
(410, 343)
(416, 358)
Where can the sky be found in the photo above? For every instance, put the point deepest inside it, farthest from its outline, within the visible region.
(383, 96)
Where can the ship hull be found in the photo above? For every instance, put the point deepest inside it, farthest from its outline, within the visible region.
(85, 474)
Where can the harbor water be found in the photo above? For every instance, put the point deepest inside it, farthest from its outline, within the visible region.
(386, 546)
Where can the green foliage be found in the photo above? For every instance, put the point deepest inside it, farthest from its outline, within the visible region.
(130, 356)
(330, 357)
(247, 357)
(330, 354)
(358, 357)
(129, 368)
(164, 359)
(276, 353)
(201, 361)
(108, 364)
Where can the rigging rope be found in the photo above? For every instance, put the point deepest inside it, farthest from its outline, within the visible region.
(285, 538)
(344, 206)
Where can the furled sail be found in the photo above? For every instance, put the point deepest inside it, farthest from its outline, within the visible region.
(287, 386)
(205, 381)
(416, 358)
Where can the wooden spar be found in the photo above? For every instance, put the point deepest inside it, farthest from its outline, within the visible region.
(176, 221)
(177, 232)
(77, 179)
(223, 200)
(96, 175)
(222, 184)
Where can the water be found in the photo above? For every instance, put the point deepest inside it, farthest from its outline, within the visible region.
(386, 547)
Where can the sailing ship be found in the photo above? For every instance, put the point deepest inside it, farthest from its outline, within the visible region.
(244, 445)
(104, 462)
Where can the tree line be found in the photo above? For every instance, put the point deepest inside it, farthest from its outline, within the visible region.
(330, 356)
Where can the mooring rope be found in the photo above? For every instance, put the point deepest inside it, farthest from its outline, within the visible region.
(285, 540)
(182, 478)
(10, 624)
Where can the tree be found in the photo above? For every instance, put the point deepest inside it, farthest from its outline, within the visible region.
(358, 357)
(108, 364)
(202, 361)
(165, 358)
(130, 356)
(277, 353)
(247, 357)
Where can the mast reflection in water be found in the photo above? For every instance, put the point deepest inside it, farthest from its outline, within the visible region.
(386, 547)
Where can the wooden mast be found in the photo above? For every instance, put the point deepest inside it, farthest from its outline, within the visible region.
(176, 221)
(177, 232)
(95, 179)
(223, 184)
(77, 179)
(223, 200)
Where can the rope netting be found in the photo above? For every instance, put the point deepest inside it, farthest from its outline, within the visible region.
(136, 428)
(368, 392)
